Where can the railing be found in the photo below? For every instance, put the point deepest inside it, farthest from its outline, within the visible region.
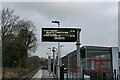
(100, 75)
(30, 75)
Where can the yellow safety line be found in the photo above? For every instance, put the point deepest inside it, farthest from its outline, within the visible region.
(41, 74)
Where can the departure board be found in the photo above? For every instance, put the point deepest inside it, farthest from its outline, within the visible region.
(59, 35)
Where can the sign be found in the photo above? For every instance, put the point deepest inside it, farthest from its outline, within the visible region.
(59, 34)
(99, 65)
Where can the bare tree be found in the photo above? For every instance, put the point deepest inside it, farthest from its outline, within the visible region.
(17, 34)
(9, 22)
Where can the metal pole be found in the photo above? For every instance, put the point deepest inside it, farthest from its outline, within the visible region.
(61, 54)
(58, 66)
(79, 66)
(49, 59)
(56, 60)
(48, 63)
(53, 60)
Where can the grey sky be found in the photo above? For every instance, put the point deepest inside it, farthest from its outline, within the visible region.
(98, 21)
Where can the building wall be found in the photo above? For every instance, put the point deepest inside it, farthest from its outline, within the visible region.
(97, 59)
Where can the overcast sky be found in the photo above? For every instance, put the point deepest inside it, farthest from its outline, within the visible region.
(97, 20)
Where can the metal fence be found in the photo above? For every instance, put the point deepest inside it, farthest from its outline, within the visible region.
(100, 75)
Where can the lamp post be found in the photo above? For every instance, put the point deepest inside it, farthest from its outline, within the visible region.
(79, 62)
(58, 22)
(57, 56)
(53, 50)
(58, 65)
(49, 60)
(61, 55)
(55, 60)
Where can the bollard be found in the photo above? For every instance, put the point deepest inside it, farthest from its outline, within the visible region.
(115, 74)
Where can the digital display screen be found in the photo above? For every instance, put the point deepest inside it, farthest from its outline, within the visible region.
(59, 34)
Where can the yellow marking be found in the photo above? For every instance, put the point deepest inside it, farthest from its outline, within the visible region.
(41, 74)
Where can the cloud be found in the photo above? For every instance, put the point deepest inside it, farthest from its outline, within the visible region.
(98, 21)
